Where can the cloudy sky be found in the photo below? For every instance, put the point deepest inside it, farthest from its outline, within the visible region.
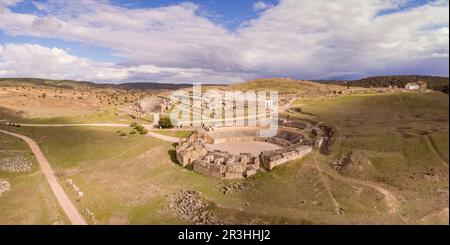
(222, 41)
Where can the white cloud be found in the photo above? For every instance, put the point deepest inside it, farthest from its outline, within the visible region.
(302, 39)
(9, 2)
(32, 60)
(39, 61)
(258, 6)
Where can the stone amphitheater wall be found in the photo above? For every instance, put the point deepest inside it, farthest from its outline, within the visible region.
(298, 138)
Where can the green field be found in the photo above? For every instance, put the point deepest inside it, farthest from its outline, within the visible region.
(176, 133)
(398, 138)
(30, 200)
(109, 114)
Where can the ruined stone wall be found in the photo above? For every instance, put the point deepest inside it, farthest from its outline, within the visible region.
(224, 165)
(190, 150)
(193, 154)
(153, 104)
(271, 159)
(314, 134)
(285, 136)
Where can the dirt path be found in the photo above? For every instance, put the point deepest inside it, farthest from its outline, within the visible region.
(337, 207)
(432, 147)
(441, 215)
(156, 117)
(164, 137)
(286, 106)
(74, 125)
(148, 126)
(187, 108)
(66, 204)
(391, 200)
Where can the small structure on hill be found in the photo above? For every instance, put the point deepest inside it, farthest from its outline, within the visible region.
(422, 84)
(412, 86)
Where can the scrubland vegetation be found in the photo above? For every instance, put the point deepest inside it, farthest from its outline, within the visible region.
(397, 143)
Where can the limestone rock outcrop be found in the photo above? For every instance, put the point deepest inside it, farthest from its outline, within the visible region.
(155, 104)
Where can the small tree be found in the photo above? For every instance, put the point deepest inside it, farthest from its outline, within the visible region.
(133, 124)
(139, 127)
(44, 95)
(165, 122)
(143, 131)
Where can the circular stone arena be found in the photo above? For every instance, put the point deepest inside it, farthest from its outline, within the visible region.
(238, 140)
(239, 152)
(252, 147)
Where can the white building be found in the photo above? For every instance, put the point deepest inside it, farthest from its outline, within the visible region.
(412, 86)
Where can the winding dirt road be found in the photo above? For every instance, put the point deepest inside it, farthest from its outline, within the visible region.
(337, 207)
(391, 200)
(163, 137)
(66, 204)
(74, 125)
(147, 126)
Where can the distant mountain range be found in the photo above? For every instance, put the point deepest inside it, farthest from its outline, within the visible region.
(84, 84)
(433, 82)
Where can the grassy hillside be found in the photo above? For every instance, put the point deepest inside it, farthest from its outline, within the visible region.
(433, 82)
(399, 140)
(283, 85)
(80, 85)
(39, 100)
(30, 200)
(177, 133)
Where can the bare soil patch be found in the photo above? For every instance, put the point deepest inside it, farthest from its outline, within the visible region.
(4, 186)
(253, 147)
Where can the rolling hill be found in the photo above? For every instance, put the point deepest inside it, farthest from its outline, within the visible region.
(433, 82)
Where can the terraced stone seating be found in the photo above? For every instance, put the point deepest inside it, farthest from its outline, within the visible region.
(291, 136)
(271, 159)
(193, 154)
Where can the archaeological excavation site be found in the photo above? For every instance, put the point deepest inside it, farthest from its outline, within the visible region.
(240, 152)
(273, 115)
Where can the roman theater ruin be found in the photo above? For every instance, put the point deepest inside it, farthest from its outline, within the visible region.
(240, 152)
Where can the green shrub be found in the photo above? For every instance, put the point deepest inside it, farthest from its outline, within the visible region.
(133, 132)
(133, 124)
(122, 134)
(165, 122)
(139, 127)
(144, 131)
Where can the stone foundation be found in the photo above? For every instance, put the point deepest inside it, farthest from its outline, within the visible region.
(193, 154)
(271, 159)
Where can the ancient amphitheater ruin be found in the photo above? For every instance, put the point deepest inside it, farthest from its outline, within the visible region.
(149, 105)
(294, 140)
